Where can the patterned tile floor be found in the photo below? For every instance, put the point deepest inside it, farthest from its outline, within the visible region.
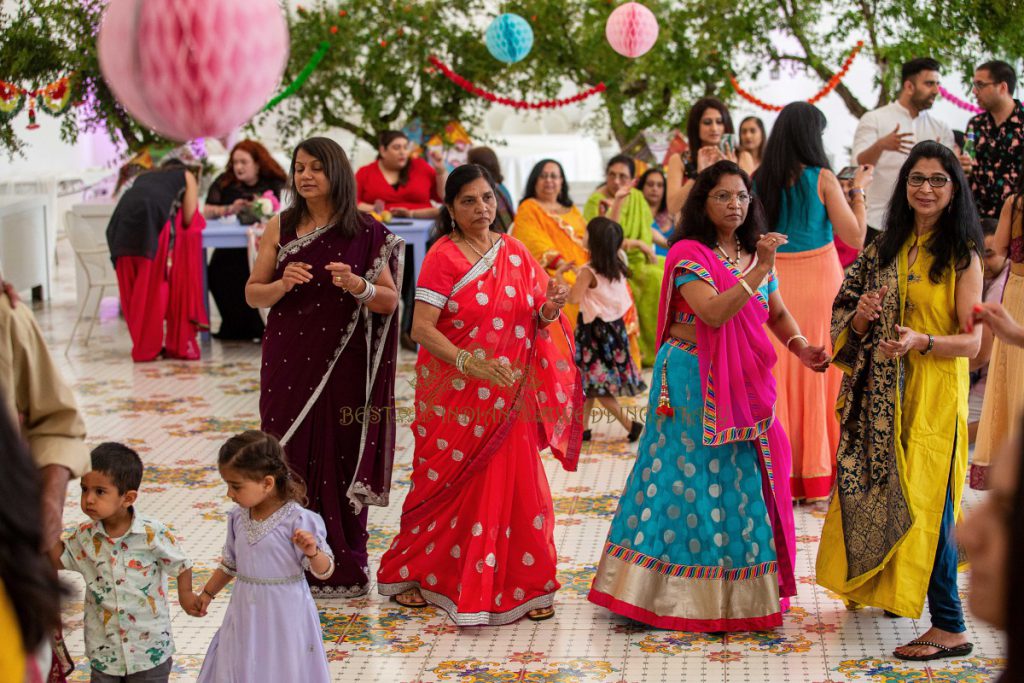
(177, 414)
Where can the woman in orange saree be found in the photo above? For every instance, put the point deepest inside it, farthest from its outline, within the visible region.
(552, 229)
(495, 385)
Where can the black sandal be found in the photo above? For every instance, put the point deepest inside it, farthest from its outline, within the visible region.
(943, 651)
(586, 435)
(635, 431)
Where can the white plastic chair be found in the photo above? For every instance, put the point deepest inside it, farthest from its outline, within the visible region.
(94, 257)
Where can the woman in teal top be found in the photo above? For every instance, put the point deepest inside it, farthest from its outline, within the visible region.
(804, 201)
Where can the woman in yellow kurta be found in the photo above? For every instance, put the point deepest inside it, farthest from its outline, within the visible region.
(618, 200)
(552, 228)
(898, 328)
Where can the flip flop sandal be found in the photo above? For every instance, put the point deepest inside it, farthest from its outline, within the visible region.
(547, 613)
(943, 651)
(410, 605)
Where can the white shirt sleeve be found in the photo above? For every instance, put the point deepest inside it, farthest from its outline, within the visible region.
(946, 135)
(865, 136)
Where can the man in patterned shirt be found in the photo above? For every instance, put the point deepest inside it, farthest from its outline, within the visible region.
(998, 136)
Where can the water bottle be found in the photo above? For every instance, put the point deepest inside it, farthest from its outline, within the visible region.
(969, 149)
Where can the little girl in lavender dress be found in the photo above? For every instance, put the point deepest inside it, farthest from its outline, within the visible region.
(271, 630)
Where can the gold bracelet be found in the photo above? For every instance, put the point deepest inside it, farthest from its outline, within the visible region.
(743, 282)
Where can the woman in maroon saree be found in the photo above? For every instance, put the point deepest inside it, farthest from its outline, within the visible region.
(495, 385)
(331, 278)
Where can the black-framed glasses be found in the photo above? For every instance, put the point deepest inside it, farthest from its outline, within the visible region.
(918, 179)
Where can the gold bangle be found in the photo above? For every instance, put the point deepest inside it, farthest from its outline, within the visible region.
(750, 292)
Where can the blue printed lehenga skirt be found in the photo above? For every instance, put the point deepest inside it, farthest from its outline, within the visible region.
(691, 546)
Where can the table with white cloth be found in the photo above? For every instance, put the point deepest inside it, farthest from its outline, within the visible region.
(579, 155)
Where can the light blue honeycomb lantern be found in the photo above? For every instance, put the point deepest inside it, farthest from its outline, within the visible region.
(509, 38)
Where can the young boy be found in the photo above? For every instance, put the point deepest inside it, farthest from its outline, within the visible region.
(125, 559)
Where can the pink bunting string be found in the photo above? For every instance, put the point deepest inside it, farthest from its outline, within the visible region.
(954, 100)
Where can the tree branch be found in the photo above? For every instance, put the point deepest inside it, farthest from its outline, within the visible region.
(331, 120)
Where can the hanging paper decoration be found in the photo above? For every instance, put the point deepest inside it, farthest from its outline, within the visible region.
(471, 87)
(12, 101)
(55, 98)
(956, 101)
(631, 30)
(829, 87)
(509, 38)
(193, 68)
(311, 65)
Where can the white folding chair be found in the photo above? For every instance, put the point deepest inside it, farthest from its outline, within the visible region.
(94, 257)
(252, 241)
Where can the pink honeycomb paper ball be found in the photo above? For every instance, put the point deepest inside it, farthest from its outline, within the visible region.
(632, 29)
(193, 68)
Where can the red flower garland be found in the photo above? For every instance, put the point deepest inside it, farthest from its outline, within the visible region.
(832, 83)
(470, 87)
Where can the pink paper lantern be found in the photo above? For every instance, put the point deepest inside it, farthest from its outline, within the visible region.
(193, 68)
(632, 29)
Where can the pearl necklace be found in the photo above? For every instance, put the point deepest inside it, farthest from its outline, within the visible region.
(739, 250)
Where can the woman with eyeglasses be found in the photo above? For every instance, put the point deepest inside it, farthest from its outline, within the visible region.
(703, 537)
(902, 334)
(803, 200)
(1004, 400)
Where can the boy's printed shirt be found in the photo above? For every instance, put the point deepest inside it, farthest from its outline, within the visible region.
(127, 623)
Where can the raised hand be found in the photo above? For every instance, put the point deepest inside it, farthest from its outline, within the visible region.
(305, 541)
(869, 307)
(296, 273)
(557, 293)
(897, 141)
(767, 245)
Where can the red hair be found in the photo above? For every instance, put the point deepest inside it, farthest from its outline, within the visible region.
(269, 169)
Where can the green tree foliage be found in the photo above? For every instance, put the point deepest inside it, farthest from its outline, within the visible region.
(43, 40)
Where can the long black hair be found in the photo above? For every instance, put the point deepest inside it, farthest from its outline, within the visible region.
(693, 122)
(696, 225)
(795, 144)
(764, 136)
(604, 239)
(957, 234)
(530, 192)
(385, 139)
(663, 206)
(28, 579)
(255, 454)
(457, 179)
(342, 195)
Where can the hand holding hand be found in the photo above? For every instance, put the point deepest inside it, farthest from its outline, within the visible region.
(907, 340)
(296, 273)
(767, 245)
(305, 541)
(343, 277)
(190, 603)
(203, 601)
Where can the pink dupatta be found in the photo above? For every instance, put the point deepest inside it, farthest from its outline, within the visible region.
(738, 387)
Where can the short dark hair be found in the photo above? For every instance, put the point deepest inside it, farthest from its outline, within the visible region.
(122, 464)
(1001, 72)
(916, 66)
(625, 160)
(696, 225)
(488, 158)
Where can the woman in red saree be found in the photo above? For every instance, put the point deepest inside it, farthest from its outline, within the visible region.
(156, 242)
(331, 277)
(496, 384)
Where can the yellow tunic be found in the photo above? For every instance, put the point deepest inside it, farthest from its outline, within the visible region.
(931, 447)
(12, 656)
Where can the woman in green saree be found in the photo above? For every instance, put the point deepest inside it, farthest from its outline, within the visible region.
(620, 201)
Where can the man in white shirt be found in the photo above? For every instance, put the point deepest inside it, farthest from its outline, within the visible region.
(885, 136)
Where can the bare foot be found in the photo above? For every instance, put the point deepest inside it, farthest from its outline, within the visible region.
(936, 636)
